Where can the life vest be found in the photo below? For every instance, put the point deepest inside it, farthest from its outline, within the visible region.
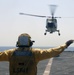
(22, 62)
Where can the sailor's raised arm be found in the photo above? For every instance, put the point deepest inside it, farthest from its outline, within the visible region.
(5, 55)
(52, 52)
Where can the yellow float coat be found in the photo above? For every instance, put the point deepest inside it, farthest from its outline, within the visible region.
(39, 54)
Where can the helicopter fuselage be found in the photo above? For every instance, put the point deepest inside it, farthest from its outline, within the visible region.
(51, 25)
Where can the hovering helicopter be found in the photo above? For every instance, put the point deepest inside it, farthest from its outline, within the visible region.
(51, 21)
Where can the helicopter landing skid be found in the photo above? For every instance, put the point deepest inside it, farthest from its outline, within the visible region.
(45, 32)
(58, 32)
(52, 32)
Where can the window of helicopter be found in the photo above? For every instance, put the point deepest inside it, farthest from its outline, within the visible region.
(50, 21)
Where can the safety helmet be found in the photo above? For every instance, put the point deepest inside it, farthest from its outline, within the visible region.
(24, 40)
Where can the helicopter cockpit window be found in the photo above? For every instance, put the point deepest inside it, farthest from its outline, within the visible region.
(49, 20)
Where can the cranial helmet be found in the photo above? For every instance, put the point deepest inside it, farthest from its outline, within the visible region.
(24, 40)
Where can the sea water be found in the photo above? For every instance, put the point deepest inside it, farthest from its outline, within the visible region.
(2, 48)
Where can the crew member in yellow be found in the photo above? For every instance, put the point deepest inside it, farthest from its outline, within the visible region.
(23, 59)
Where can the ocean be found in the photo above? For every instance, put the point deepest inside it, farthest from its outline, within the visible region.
(62, 65)
(2, 48)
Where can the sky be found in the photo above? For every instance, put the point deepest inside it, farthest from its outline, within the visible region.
(12, 24)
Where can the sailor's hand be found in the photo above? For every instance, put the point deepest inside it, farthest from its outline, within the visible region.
(69, 42)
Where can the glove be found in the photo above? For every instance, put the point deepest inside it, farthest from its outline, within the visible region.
(69, 42)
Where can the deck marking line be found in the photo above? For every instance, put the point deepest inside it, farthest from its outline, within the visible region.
(48, 67)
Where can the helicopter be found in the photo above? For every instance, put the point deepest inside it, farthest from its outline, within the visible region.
(51, 21)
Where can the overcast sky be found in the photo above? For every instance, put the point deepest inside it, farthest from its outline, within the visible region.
(12, 24)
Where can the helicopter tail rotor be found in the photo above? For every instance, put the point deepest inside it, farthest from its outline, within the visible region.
(53, 9)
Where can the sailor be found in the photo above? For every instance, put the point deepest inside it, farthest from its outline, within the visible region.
(23, 59)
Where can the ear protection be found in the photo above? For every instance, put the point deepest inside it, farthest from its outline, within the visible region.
(17, 44)
(24, 41)
(31, 43)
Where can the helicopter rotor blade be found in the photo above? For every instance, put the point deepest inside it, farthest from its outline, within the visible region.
(64, 17)
(67, 17)
(57, 17)
(32, 15)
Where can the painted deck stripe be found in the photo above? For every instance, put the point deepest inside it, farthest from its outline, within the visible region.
(48, 67)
